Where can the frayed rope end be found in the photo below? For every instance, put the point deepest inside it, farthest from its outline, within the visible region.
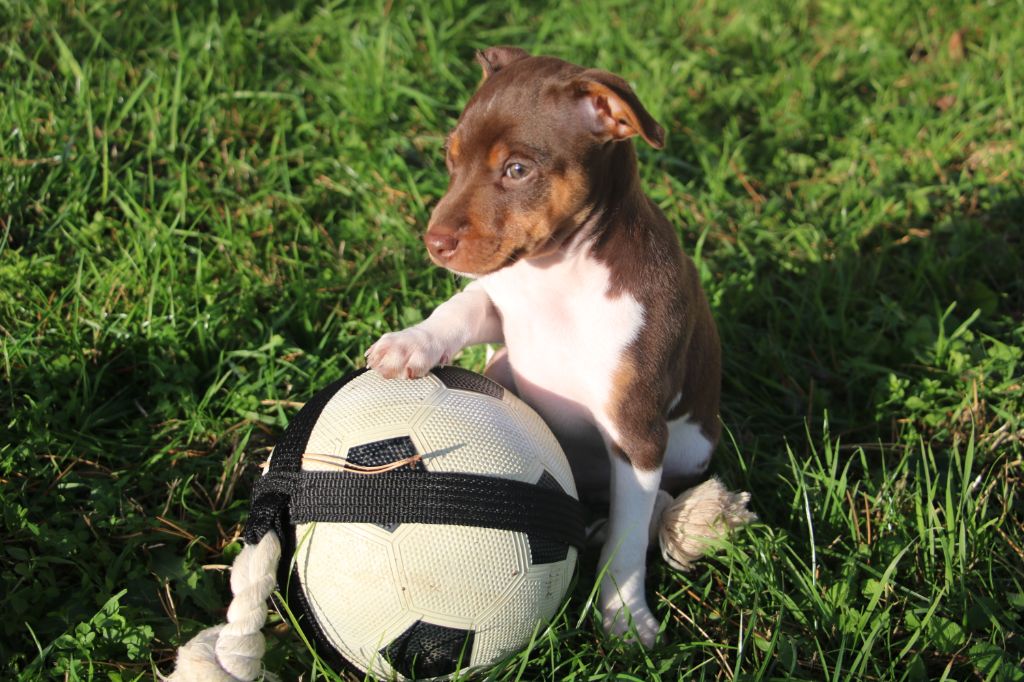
(698, 518)
(197, 660)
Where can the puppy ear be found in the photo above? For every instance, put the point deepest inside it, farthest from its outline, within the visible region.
(612, 110)
(494, 59)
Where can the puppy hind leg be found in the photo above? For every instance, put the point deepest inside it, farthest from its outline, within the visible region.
(687, 454)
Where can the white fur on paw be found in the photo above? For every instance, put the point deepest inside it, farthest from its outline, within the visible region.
(410, 353)
(630, 623)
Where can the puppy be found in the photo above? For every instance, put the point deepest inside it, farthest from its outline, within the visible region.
(606, 331)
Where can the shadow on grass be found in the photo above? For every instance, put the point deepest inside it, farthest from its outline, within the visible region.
(832, 333)
(118, 479)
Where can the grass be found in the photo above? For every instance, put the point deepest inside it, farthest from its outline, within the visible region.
(208, 210)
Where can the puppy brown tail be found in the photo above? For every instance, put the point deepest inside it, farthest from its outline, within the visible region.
(697, 519)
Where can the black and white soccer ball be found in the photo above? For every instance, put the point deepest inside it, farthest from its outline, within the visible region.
(432, 525)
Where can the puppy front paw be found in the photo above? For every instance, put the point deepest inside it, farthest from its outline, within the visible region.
(631, 619)
(410, 353)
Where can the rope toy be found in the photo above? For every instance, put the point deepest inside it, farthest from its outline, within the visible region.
(233, 652)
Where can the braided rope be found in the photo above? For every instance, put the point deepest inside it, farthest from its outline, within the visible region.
(233, 652)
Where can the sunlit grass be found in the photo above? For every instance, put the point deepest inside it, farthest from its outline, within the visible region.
(209, 211)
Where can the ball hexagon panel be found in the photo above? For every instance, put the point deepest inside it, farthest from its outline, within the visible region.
(513, 620)
(466, 434)
(454, 573)
(359, 601)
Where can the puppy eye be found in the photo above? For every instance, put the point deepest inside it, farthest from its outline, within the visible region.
(516, 171)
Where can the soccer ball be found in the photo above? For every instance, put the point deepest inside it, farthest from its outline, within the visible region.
(432, 525)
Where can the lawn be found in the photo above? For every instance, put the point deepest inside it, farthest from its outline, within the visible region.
(209, 210)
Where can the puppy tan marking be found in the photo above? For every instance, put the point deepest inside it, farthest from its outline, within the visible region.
(498, 153)
(453, 146)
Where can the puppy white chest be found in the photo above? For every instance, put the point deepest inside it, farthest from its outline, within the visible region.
(565, 335)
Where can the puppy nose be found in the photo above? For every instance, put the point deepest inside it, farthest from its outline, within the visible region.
(441, 244)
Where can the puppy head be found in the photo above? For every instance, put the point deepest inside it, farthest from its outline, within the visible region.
(528, 157)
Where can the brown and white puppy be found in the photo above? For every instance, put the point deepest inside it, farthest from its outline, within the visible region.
(606, 331)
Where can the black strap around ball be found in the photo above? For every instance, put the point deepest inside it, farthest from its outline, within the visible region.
(288, 495)
(407, 496)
